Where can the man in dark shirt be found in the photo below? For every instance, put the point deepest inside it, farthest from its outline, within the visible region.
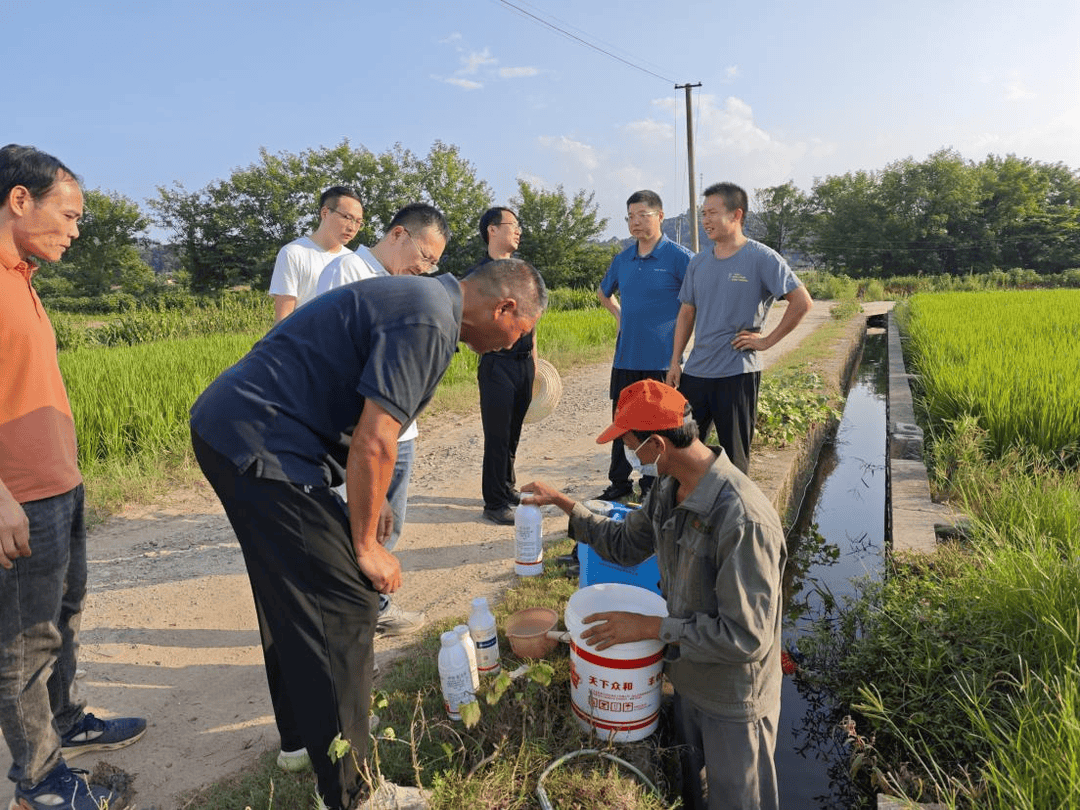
(505, 379)
(320, 400)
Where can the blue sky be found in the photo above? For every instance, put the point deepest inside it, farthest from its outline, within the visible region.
(137, 95)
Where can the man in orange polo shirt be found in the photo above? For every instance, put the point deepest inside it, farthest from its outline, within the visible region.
(42, 534)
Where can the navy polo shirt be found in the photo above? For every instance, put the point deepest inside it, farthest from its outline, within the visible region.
(289, 406)
(648, 288)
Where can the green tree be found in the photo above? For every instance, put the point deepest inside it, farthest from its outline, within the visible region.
(559, 235)
(782, 212)
(1031, 214)
(231, 231)
(931, 208)
(105, 256)
(847, 223)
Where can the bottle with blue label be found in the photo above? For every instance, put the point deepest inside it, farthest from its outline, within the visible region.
(485, 637)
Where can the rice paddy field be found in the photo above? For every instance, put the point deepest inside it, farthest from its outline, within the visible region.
(1009, 359)
(131, 402)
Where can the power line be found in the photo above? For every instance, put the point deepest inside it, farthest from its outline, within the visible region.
(586, 43)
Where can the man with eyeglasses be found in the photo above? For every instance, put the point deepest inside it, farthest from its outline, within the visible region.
(646, 278)
(505, 378)
(299, 263)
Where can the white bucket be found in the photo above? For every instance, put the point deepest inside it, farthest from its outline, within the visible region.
(615, 692)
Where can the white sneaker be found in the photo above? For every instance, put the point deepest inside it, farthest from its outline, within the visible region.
(395, 621)
(294, 761)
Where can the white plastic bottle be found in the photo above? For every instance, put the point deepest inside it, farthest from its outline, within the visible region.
(469, 646)
(528, 541)
(454, 675)
(485, 637)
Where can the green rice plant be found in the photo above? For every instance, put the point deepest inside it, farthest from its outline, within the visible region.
(134, 400)
(1009, 359)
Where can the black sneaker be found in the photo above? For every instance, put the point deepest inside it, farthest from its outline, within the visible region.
(94, 734)
(615, 492)
(504, 516)
(67, 788)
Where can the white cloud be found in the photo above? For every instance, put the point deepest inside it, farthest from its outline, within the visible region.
(517, 72)
(464, 84)
(731, 73)
(454, 37)
(585, 156)
(474, 61)
(650, 132)
(1016, 90)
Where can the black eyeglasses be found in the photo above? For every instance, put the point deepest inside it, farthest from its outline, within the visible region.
(357, 221)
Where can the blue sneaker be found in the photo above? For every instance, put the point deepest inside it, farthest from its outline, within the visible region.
(67, 788)
(94, 734)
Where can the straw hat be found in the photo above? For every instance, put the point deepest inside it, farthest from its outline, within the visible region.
(547, 390)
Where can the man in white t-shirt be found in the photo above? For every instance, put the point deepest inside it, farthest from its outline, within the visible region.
(299, 263)
(412, 245)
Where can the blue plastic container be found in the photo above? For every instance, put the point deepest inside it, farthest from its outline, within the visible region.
(595, 569)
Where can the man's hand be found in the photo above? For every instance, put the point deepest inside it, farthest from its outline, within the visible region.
(381, 567)
(541, 494)
(747, 341)
(386, 524)
(14, 530)
(673, 375)
(619, 627)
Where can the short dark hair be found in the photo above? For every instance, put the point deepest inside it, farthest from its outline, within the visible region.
(733, 197)
(493, 216)
(681, 437)
(650, 198)
(417, 216)
(512, 278)
(31, 168)
(335, 193)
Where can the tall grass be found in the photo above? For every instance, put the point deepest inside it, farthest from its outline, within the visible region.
(1009, 359)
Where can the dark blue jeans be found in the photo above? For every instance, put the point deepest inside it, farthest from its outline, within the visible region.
(41, 600)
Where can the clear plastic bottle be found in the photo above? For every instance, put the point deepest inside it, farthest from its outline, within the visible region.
(454, 675)
(485, 637)
(528, 541)
(470, 652)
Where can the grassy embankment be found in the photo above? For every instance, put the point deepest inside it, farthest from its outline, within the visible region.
(963, 669)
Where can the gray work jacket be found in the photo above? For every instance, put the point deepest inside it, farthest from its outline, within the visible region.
(721, 554)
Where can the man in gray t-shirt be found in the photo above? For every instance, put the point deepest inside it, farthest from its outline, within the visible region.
(725, 298)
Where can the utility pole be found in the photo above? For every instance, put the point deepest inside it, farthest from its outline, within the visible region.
(690, 164)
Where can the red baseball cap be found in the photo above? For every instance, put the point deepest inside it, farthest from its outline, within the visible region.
(646, 405)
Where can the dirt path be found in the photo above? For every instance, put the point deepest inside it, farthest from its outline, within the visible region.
(169, 629)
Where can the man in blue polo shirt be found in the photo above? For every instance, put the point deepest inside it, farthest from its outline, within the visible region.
(647, 277)
(319, 401)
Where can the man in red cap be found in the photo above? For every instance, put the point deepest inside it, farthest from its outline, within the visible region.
(721, 552)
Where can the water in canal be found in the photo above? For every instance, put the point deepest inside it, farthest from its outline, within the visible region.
(838, 536)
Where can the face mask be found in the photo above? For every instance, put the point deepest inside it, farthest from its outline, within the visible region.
(635, 462)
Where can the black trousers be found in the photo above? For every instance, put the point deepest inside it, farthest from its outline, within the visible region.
(316, 611)
(729, 404)
(506, 383)
(620, 469)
